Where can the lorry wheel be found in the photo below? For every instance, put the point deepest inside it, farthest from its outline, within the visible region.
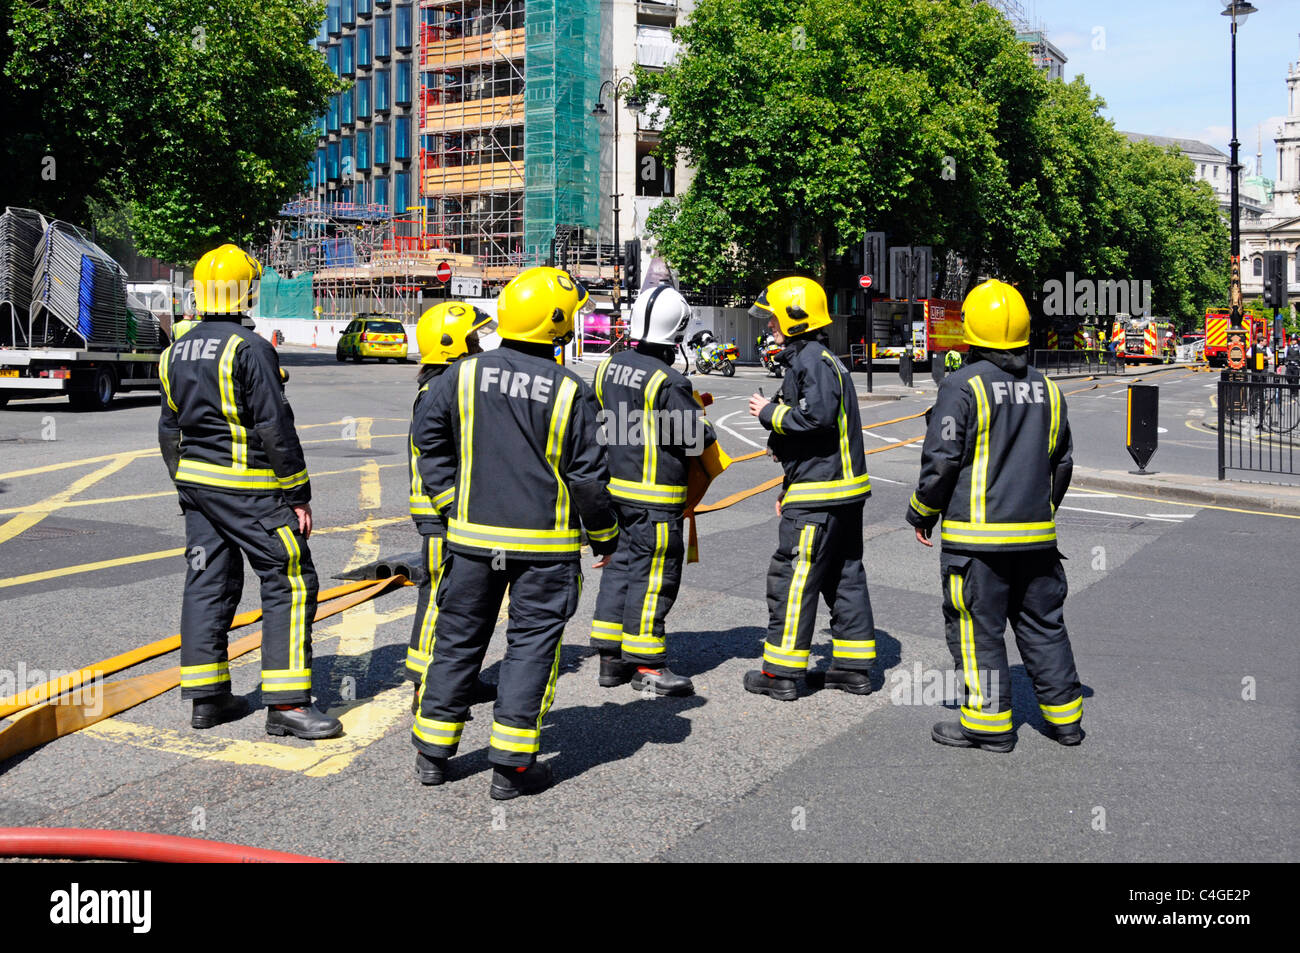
(93, 391)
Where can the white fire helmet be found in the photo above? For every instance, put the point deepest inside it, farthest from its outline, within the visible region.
(660, 316)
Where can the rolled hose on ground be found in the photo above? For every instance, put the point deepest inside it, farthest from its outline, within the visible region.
(88, 844)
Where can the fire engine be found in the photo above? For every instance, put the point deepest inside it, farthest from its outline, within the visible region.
(936, 329)
(1143, 338)
(1216, 333)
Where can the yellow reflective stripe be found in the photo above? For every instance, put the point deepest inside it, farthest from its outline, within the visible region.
(1066, 714)
(509, 538)
(215, 475)
(295, 479)
(442, 499)
(549, 696)
(794, 598)
(606, 631)
(778, 415)
(601, 535)
(164, 368)
(922, 508)
(298, 603)
(846, 459)
(650, 429)
(790, 658)
(966, 631)
(666, 493)
(1054, 397)
(465, 399)
(856, 649)
(229, 409)
(430, 620)
(980, 468)
(600, 380)
(286, 680)
(196, 676)
(507, 738)
(828, 491)
(958, 531)
(560, 413)
(445, 733)
(418, 496)
(654, 584)
(991, 722)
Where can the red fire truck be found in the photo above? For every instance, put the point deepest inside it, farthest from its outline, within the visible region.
(1216, 333)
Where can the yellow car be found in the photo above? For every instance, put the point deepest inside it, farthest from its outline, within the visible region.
(372, 335)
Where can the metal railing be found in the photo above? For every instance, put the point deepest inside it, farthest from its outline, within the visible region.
(1259, 423)
(1077, 362)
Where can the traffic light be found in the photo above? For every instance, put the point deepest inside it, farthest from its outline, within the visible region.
(632, 266)
(1275, 291)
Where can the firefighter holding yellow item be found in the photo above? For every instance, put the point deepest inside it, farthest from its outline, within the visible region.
(445, 333)
(816, 434)
(512, 435)
(996, 464)
(227, 436)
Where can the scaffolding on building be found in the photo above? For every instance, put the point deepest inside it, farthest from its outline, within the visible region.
(362, 260)
(471, 116)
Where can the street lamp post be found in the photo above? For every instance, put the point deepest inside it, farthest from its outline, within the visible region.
(618, 88)
(1237, 11)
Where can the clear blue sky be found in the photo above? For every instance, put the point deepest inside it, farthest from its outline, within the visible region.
(1162, 66)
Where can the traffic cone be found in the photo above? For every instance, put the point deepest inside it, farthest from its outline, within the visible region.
(314, 329)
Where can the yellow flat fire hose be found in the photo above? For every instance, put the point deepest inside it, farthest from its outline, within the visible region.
(67, 683)
(49, 720)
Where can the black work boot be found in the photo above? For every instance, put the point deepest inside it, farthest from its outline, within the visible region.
(1068, 735)
(305, 721)
(613, 671)
(848, 680)
(508, 783)
(661, 681)
(217, 709)
(950, 733)
(773, 686)
(429, 771)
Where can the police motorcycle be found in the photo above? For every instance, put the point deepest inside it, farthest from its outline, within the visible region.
(712, 355)
(768, 349)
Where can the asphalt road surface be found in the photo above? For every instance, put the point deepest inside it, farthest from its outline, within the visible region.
(1182, 618)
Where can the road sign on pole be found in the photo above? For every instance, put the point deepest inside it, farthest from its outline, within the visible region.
(444, 271)
(865, 281)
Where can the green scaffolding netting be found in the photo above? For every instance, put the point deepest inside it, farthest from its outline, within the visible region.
(561, 140)
(280, 297)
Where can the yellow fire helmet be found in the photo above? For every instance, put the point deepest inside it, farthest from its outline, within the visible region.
(443, 331)
(995, 315)
(798, 303)
(225, 281)
(539, 305)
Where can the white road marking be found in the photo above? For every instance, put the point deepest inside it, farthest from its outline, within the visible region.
(1172, 516)
(872, 433)
(722, 424)
(880, 479)
(1162, 430)
(1132, 516)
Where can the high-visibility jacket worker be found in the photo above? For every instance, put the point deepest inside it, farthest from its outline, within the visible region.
(444, 333)
(227, 436)
(652, 426)
(996, 464)
(816, 434)
(511, 459)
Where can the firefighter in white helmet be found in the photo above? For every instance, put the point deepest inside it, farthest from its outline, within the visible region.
(651, 426)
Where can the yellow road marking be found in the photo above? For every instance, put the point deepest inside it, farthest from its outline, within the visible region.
(167, 553)
(165, 493)
(364, 426)
(52, 467)
(1200, 506)
(33, 514)
(369, 498)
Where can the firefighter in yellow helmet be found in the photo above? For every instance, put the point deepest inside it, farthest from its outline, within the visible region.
(995, 465)
(510, 458)
(445, 333)
(227, 436)
(816, 434)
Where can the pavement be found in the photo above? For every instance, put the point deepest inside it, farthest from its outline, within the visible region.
(1190, 689)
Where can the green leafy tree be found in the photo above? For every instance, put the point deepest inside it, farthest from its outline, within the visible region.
(187, 122)
(810, 122)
